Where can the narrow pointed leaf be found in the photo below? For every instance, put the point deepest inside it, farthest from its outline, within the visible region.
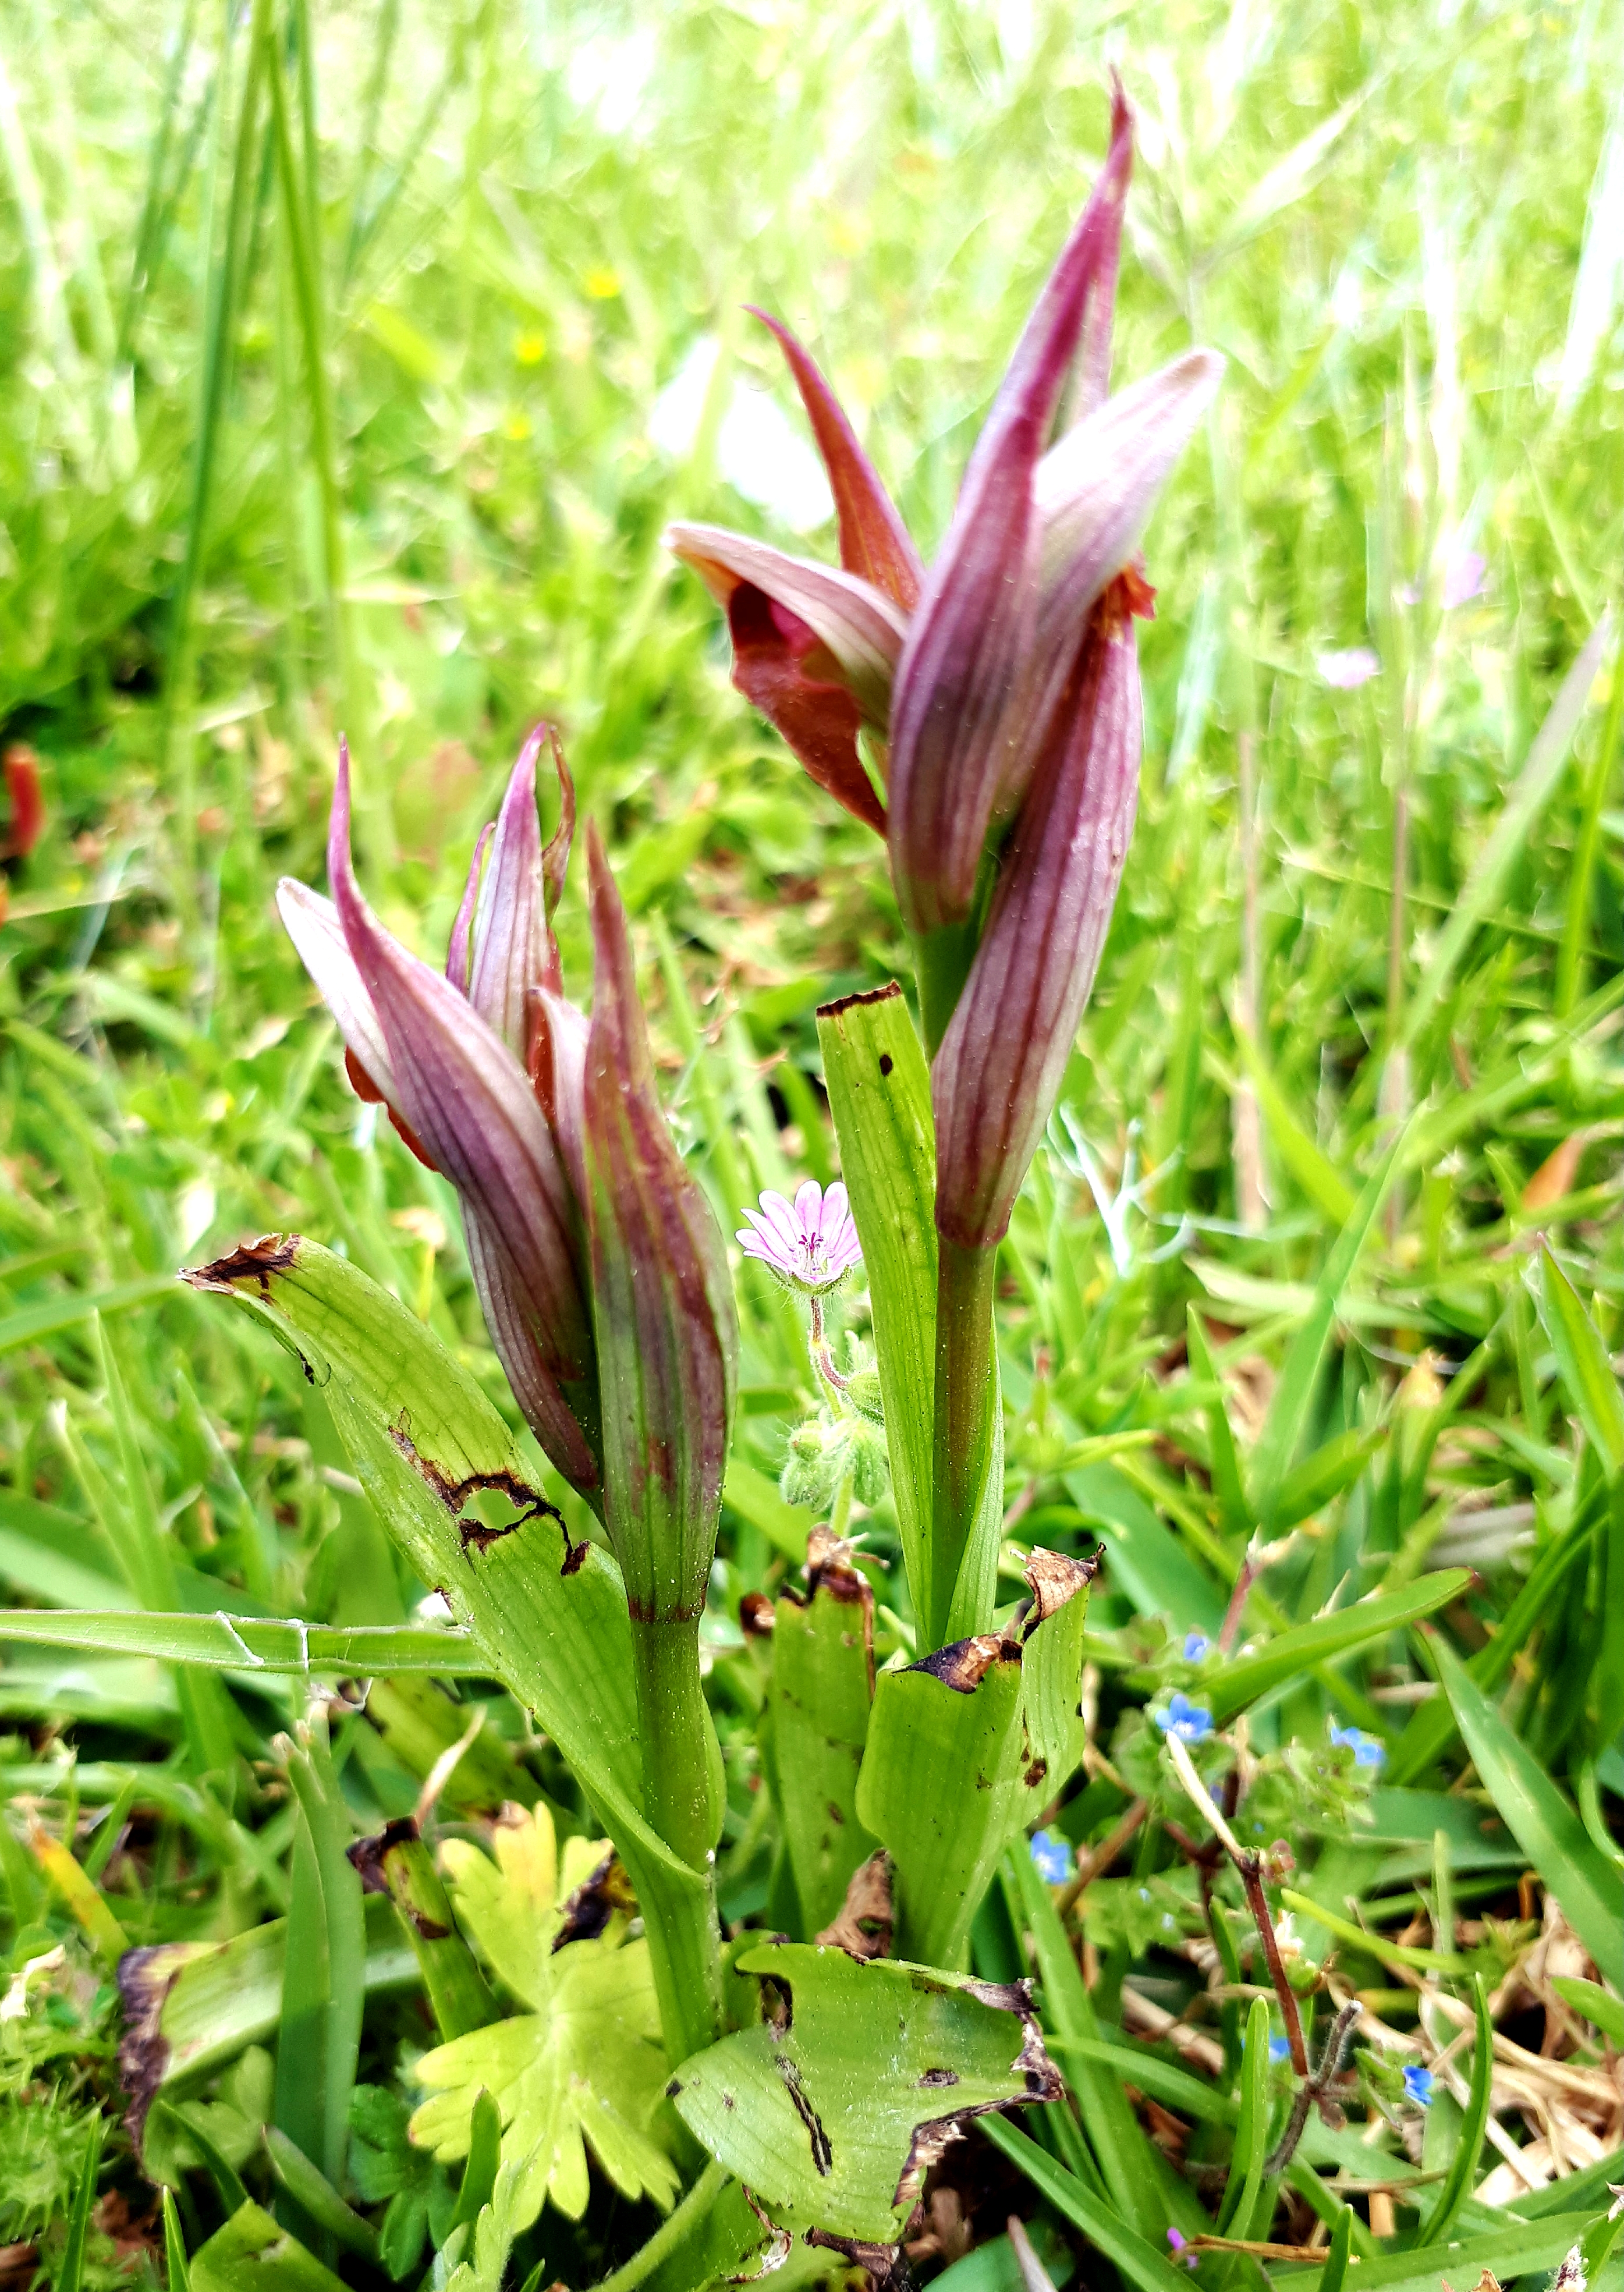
(1589, 1377)
(510, 939)
(1292, 1652)
(1539, 1817)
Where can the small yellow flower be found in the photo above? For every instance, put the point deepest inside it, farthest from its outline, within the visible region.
(531, 346)
(602, 284)
(517, 427)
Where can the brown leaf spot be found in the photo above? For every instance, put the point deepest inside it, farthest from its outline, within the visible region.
(822, 2154)
(851, 1002)
(595, 1902)
(1053, 1579)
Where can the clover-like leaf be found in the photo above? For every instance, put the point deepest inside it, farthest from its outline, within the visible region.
(584, 2067)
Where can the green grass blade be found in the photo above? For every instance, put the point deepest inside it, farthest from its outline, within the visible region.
(71, 2267)
(1294, 1652)
(1586, 1374)
(1469, 2142)
(281, 1649)
(1589, 1889)
(1282, 1427)
(1509, 838)
(1252, 2127)
(1138, 2262)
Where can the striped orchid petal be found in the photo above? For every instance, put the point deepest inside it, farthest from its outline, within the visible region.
(874, 541)
(814, 650)
(998, 1072)
(1095, 491)
(972, 636)
(663, 1305)
(465, 1101)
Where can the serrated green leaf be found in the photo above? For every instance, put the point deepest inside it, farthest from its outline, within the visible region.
(880, 1090)
(584, 2068)
(1292, 1653)
(806, 2110)
(1589, 1889)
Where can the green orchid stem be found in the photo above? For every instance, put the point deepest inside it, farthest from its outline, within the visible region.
(964, 1418)
(681, 1794)
(941, 964)
(672, 2232)
(678, 1786)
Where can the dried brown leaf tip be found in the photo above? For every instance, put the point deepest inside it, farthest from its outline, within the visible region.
(1053, 1578)
(963, 1664)
(864, 1926)
(254, 1261)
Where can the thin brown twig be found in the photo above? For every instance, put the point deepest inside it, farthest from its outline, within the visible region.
(1104, 1855)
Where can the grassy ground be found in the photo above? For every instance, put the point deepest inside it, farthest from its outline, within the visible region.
(365, 409)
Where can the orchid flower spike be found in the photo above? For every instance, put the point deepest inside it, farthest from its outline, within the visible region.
(811, 1243)
(959, 669)
(452, 1059)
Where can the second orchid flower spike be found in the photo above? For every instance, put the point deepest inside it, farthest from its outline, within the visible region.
(450, 1072)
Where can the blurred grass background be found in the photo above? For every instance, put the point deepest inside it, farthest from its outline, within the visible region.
(351, 362)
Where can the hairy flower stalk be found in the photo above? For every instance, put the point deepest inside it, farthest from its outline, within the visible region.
(995, 698)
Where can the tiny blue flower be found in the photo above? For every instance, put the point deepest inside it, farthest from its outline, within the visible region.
(1366, 1749)
(1280, 2049)
(1418, 2084)
(1052, 1857)
(1191, 1722)
(1197, 1647)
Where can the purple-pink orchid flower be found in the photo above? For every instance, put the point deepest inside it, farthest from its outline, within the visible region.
(960, 668)
(810, 1243)
(998, 692)
(597, 1261)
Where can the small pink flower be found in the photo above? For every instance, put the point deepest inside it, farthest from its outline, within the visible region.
(1347, 671)
(810, 1242)
(1463, 579)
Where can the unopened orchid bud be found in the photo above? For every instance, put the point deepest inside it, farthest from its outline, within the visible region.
(662, 1302)
(456, 1086)
(996, 1077)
